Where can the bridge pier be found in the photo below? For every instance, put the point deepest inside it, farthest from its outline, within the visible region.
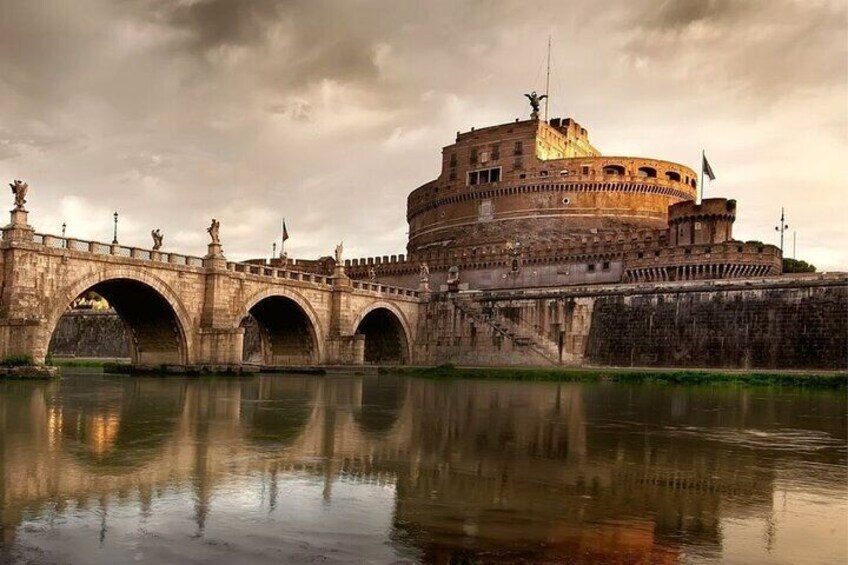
(220, 346)
(343, 347)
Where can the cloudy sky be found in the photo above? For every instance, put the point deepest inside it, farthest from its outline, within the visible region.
(328, 113)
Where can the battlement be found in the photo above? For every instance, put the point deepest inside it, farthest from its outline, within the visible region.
(709, 222)
(709, 207)
(730, 259)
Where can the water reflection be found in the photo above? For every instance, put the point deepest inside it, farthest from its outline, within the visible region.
(383, 469)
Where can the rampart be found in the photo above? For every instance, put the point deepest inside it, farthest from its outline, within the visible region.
(788, 322)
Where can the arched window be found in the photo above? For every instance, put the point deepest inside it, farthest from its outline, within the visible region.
(649, 172)
(671, 175)
(613, 170)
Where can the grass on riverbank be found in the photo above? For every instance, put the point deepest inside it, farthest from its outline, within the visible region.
(669, 376)
(97, 363)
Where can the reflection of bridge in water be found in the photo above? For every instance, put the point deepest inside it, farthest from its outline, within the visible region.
(510, 465)
(190, 311)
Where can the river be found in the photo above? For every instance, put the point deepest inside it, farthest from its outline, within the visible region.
(364, 469)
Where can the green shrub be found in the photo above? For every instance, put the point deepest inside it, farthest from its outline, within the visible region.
(16, 361)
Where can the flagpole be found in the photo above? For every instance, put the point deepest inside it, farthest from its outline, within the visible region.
(701, 185)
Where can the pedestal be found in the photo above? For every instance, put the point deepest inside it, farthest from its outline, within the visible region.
(215, 257)
(18, 228)
(340, 279)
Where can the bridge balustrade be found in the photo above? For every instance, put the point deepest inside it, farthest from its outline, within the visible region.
(98, 248)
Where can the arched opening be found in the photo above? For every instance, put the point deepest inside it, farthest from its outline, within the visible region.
(278, 332)
(671, 175)
(385, 338)
(613, 170)
(648, 172)
(132, 318)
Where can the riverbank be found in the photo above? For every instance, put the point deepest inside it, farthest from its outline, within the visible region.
(818, 379)
(38, 372)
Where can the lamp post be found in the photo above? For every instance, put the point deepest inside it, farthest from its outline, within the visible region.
(273, 250)
(64, 227)
(115, 232)
(781, 228)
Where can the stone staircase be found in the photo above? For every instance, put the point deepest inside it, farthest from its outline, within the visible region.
(519, 334)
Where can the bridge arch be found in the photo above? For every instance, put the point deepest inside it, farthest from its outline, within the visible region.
(288, 330)
(388, 338)
(159, 325)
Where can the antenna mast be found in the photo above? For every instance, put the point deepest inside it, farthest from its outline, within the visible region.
(548, 80)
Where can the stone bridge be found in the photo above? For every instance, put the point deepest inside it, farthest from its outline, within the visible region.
(185, 311)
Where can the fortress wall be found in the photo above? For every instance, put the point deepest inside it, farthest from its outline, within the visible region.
(90, 334)
(778, 328)
(774, 323)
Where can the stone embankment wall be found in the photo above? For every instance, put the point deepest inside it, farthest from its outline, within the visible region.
(775, 323)
(789, 328)
(88, 333)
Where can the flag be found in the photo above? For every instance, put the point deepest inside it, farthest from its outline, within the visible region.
(285, 231)
(705, 167)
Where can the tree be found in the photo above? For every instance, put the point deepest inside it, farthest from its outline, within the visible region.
(797, 266)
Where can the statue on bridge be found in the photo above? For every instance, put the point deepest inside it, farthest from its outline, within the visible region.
(157, 239)
(339, 251)
(19, 189)
(424, 273)
(213, 231)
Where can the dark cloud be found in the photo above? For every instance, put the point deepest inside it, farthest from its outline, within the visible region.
(217, 23)
(680, 14)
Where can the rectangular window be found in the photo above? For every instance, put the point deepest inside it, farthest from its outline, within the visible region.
(484, 176)
(453, 160)
(591, 267)
(496, 151)
(585, 169)
(473, 158)
(484, 157)
(519, 148)
(606, 265)
(453, 174)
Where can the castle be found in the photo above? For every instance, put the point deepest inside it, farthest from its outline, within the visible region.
(534, 204)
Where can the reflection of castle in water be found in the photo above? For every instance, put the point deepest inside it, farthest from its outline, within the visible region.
(474, 463)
